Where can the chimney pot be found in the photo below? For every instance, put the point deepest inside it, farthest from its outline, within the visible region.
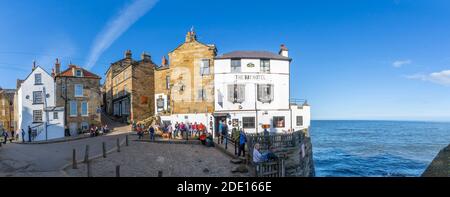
(284, 51)
(57, 67)
(128, 54)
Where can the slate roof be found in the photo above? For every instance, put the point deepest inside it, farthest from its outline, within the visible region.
(253, 55)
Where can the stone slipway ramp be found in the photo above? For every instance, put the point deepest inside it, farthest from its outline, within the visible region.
(440, 166)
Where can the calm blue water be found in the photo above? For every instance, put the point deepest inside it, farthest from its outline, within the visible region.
(376, 148)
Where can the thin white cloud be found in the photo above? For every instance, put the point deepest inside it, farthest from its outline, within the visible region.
(442, 77)
(116, 27)
(400, 63)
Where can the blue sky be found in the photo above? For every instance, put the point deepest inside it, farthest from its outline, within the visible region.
(354, 59)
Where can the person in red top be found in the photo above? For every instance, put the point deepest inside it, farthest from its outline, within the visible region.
(195, 129)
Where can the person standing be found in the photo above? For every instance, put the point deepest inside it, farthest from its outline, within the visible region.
(5, 135)
(219, 133)
(151, 131)
(194, 129)
(29, 134)
(225, 134)
(170, 130)
(242, 142)
(23, 136)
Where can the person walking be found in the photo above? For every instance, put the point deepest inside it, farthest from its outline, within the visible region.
(219, 133)
(242, 142)
(5, 135)
(235, 134)
(225, 134)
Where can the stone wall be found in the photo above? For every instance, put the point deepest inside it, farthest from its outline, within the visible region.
(440, 166)
(7, 109)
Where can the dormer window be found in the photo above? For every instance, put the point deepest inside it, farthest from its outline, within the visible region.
(236, 66)
(78, 73)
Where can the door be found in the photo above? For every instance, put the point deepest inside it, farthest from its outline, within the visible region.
(73, 128)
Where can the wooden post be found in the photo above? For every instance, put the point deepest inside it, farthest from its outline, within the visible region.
(118, 145)
(88, 166)
(86, 154)
(104, 149)
(74, 159)
(283, 172)
(160, 173)
(118, 171)
(126, 140)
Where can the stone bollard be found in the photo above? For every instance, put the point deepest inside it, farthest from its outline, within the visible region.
(86, 154)
(126, 140)
(74, 159)
(88, 166)
(160, 173)
(118, 171)
(118, 145)
(104, 149)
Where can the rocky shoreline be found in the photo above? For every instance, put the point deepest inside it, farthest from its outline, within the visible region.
(440, 166)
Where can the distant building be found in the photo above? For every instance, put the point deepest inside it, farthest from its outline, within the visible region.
(7, 109)
(78, 91)
(37, 109)
(252, 89)
(184, 89)
(128, 89)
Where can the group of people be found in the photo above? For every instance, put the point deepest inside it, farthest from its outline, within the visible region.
(188, 129)
(259, 156)
(95, 131)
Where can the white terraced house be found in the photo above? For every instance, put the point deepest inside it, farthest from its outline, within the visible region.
(36, 108)
(252, 90)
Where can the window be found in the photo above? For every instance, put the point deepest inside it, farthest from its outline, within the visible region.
(160, 104)
(37, 78)
(299, 120)
(84, 108)
(236, 93)
(168, 82)
(265, 66)
(73, 108)
(278, 122)
(78, 90)
(125, 90)
(248, 122)
(126, 107)
(201, 94)
(63, 88)
(37, 97)
(55, 115)
(265, 93)
(204, 67)
(37, 115)
(78, 73)
(236, 66)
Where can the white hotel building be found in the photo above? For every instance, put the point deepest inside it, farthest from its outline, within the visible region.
(252, 89)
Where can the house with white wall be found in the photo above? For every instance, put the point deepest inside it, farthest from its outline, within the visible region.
(38, 116)
(252, 90)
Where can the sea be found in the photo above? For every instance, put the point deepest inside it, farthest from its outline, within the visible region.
(376, 148)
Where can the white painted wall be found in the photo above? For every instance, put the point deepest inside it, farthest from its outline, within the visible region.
(55, 128)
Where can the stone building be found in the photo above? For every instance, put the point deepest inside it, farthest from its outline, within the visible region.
(7, 109)
(184, 84)
(78, 90)
(128, 90)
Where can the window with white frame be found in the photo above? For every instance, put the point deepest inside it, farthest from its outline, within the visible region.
(299, 121)
(160, 104)
(73, 108)
(167, 82)
(236, 93)
(78, 90)
(201, 95)
(55, 115)
(265, 66)
(78, 73)
(84, 108)
(248, 122)
(265, 93)
(235, 65)
(205, 67)
(37, 115)
(38, 78)
(38, 97)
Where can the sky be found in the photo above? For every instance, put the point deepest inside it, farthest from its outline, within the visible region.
(353, 59)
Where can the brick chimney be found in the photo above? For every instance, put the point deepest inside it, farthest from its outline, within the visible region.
(191, 36)
(164, 61)
(284, 51)
(145, 56)
(53, 73)
(57, 67)
(128, 54)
